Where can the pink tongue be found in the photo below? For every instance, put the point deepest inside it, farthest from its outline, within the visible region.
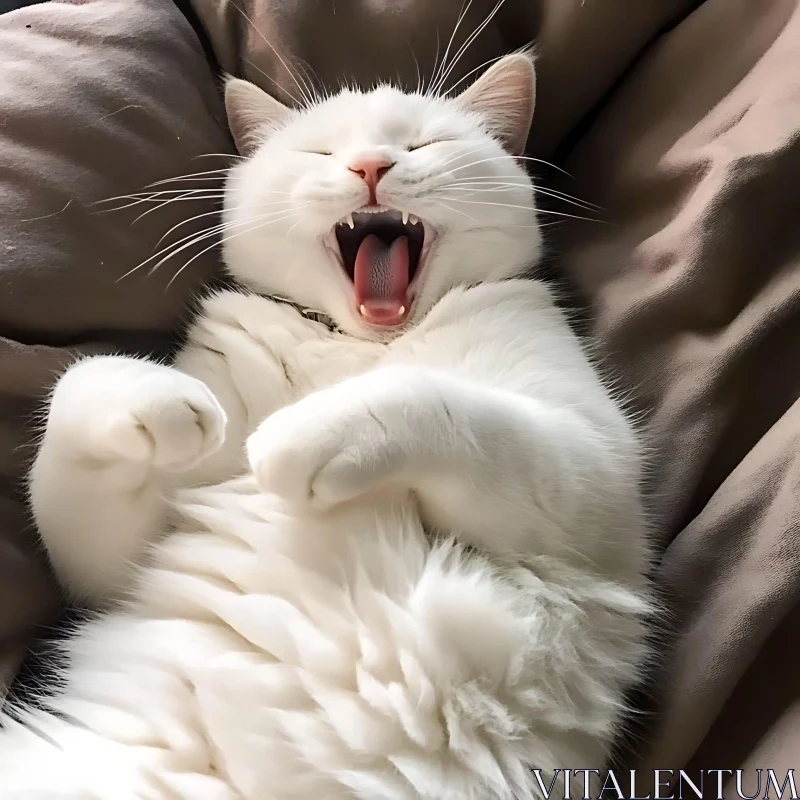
(380, 278)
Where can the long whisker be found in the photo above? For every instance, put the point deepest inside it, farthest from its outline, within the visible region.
(463, 11)
(199, 237)
(190, 194)
(187, 221)
(481, 180)
(450, 208)
(464, 47)
(516, 158)
(572, 201)
(495, 186)
(158, 202)
(274, 82)
(508, 179)
(187, 179)
(187, 241)
(308, 100)
(313, 80)
(215, 189)
(487, 185)
(462, 154)
(193, 175)
(535, 225)
(565, 196)
(524, 208)
(217, 211)
(212, 193)
(435, 62)
(470, 73)
(223, 226)
(482, 190)
(220, 155)
(419, 72)
(196, 236)
(146, 196)
(294, 226)
(217, 244)
(218, 230)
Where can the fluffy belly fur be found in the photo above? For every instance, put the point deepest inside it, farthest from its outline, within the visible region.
(335, 655)
(301, 636)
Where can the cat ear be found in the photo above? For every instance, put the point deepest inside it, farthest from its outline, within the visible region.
(504, 96)
(252, 114)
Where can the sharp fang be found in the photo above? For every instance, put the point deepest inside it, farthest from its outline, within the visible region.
(401, 311)
(350, 222)
(362, 310)
(405, 218)
(413, 220)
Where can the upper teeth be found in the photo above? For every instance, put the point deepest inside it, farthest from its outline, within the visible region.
(410, 218)
(407, 218)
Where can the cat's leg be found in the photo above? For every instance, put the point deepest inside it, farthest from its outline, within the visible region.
(120, 432)
(501, 469)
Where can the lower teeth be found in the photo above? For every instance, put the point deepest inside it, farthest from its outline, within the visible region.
(364, 312)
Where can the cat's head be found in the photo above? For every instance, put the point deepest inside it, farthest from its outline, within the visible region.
(370, 206)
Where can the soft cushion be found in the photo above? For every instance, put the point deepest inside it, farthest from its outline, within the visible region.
(694, 289)
(582, 46)
(692, 282)
(97, 99)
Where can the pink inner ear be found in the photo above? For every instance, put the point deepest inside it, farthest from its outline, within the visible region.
(381, 278)
(252, 114)
(504, 97)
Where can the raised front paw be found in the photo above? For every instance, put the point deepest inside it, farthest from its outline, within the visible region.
(328, 448)
(122, 408)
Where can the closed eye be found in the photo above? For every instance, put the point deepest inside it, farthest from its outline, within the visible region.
(412, 147)
(317, 152)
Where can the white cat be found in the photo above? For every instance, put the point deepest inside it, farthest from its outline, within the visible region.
(429, 578)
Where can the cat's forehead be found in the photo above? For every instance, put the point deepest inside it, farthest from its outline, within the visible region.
(384, 115)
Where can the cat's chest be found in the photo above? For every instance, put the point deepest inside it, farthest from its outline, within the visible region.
(275, 355)
(317, 364)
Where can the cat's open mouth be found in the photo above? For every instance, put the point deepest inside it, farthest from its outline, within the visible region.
(382, 251)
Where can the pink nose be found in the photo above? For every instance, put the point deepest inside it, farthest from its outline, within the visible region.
(370, 169)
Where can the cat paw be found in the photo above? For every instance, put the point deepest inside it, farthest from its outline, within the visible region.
(131, 410)
(326, 449)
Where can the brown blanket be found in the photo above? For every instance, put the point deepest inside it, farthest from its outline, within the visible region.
(680, 120)
(97, 99)
(695, 293)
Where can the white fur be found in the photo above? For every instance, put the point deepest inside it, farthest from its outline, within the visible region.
(428, 578)
(282, 203)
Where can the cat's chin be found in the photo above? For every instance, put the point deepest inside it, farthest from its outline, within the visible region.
(383, 253)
